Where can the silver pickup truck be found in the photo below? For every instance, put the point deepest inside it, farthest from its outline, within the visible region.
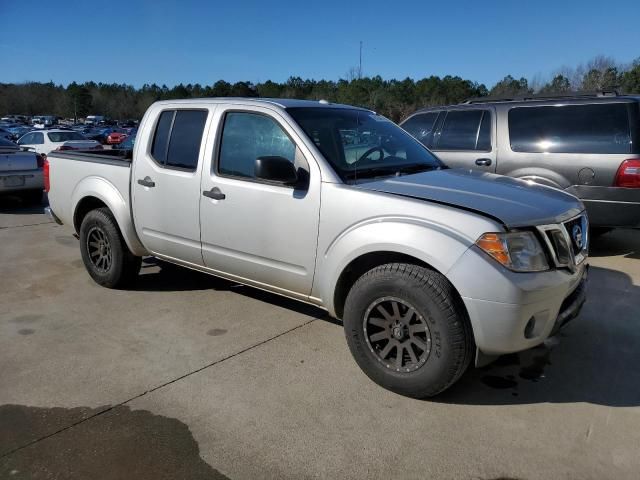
(338, 207)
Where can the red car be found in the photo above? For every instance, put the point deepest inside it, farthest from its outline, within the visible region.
(116, 138)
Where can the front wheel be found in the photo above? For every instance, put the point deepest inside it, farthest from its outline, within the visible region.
(407, 329)
(104, 252)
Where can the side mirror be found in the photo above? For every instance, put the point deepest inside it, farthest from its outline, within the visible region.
(276, 169)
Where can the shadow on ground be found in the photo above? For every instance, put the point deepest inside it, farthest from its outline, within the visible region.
(160, 276)
(616, 242)
(594, 359)
(13, 204)
(120, 443)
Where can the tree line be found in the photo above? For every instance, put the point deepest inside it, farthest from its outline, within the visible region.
(392, 98)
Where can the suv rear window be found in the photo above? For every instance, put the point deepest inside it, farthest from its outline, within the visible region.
(595, 128)
(466, 130)
(177, 139)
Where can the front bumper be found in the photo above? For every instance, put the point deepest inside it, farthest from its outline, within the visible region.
(572, 305)
(511, 312)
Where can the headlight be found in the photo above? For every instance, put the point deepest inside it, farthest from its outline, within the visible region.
(518, 251)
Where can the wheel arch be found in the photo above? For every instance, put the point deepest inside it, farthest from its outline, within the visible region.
(373, 243)
(368, 261)
(362, 264)
(96, 192)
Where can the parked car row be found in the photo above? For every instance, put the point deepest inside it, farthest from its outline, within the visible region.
(95, 127)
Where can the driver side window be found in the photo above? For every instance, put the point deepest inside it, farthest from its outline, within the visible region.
(247, 136)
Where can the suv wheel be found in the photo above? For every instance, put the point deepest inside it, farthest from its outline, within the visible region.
(104, 252)
(407, 329)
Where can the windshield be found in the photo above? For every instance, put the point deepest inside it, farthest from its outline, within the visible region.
(64, 136)
(362, 144)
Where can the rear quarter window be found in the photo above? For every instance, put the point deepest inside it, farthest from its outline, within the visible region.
(595, 128)
(465, 130)
(421, 126)
(177, 139)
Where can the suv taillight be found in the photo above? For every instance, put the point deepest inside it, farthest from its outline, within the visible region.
(628, 174)
(40, 158)
(45, 172)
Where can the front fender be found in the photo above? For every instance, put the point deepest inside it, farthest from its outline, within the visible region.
(109, 194)
(437, 245)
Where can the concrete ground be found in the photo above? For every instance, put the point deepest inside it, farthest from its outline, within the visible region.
(188, 376)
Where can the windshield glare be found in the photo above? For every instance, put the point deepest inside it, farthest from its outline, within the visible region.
(362, 143)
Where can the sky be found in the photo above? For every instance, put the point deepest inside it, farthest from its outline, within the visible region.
(198, 41)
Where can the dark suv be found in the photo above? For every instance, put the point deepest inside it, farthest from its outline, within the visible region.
(585, 144)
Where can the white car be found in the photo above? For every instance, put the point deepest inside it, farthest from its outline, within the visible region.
(50, 140)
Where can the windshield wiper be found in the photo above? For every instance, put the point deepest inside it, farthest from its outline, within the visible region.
(386, 171)
(416, 168)
(370, 172)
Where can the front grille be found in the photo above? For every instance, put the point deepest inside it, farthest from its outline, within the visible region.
(568, 242)
(577, 234)
(560, 246)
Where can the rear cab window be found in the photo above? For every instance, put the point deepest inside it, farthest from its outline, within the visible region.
(177, 139)
(465, 130)
(585, 128)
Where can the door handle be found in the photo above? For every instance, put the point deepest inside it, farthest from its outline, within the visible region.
(214, 193)
(146, 182)
(483, 162)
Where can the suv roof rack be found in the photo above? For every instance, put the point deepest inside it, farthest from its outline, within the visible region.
(551, 96)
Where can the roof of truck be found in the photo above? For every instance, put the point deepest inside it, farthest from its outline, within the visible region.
(280, 102)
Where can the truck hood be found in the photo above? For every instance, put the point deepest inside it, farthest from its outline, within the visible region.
(515, 203)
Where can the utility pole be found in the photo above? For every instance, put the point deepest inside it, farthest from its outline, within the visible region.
(360, 67)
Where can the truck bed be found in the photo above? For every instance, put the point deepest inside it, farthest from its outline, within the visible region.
(78, 174)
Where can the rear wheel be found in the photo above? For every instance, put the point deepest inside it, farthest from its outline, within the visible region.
(407, 329)
(104, 252)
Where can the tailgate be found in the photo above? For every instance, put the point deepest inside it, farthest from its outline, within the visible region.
(17, 161)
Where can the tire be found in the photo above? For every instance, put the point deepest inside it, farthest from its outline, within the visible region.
(105, 253)
(438, 333)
